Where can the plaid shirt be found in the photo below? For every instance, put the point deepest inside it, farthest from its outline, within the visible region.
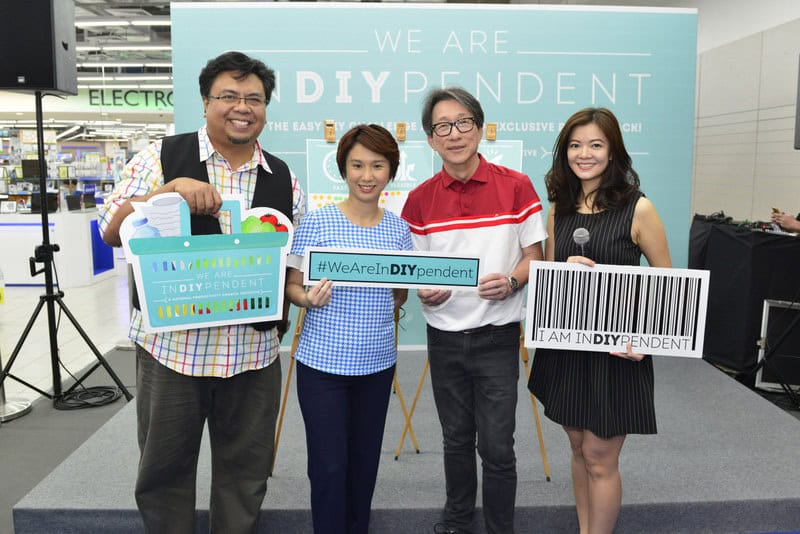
(218, 351)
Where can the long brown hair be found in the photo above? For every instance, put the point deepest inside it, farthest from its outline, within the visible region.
(618, 182)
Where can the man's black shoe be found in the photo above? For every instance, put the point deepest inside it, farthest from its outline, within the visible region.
(442, 528)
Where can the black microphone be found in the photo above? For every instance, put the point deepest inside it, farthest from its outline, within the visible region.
(581, 237)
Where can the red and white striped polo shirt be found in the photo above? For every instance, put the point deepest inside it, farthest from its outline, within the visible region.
(493, 215)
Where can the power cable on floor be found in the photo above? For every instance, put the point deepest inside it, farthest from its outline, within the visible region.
(90, 397)
(85, 397)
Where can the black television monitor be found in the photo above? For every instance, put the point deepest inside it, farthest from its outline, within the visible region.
(778, 321)
(78, 200)
(73, 202)
(89, 200)
(30, 168)
(36, 202)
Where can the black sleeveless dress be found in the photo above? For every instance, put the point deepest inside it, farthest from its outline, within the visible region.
(605, 394)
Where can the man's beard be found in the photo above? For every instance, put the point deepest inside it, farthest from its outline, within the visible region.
(240, 140)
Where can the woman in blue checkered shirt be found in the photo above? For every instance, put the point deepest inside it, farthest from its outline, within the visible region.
(346, 353)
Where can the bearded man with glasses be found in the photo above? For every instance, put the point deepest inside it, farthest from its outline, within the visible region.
(228, 376)
(475, 208)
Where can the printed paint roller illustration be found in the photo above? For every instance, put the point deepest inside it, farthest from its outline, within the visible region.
(191, 281)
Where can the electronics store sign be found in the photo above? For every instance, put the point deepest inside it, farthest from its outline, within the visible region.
(134, 99)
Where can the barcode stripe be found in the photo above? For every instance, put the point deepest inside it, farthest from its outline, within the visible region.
(617, 302)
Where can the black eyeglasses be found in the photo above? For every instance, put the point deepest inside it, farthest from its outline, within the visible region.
(443, 129)
(232, 100)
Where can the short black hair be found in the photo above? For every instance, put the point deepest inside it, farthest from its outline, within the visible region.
(243, 65)
(460, 95)
(373, 137)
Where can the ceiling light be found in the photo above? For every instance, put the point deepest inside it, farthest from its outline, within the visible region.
(125, 78)
(136, 47)
(151, 21)
(124, 64)
(96, 22)
(115, 21)
(144, 86)
(73, 137)
(68, 131)
(123, 47)
(119, 64)
(142, 78)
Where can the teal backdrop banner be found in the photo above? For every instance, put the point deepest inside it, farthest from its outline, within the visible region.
(531, 66)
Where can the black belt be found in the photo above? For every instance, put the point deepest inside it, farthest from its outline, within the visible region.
(489, 328)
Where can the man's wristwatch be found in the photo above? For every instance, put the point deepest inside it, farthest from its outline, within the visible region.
(513, 283)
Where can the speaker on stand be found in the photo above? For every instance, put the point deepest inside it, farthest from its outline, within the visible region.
(39, 41)
(38, 44)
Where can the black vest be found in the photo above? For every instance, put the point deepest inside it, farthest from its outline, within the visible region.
(180, 157)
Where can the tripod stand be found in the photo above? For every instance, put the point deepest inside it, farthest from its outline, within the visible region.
(44, 254)
(765, 361)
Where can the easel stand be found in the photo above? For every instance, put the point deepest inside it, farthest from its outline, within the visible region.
(301, 315)
(44, 254)
(408, 428)
(765, 361)
(524, 356)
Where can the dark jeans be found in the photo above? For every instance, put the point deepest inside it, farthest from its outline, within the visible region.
(172, 410)
(474, 378)
(344, 418)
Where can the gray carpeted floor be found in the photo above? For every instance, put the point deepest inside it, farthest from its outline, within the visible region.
(724, 461)
(35, 444)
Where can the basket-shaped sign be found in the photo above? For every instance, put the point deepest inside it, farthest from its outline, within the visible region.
(192, 281)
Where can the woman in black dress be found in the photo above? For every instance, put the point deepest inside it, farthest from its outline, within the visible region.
(598, 398)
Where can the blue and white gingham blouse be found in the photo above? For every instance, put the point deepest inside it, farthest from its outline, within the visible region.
(354, 333)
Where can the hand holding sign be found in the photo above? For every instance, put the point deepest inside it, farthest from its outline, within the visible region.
(320, 294)
(191, 281)
(389, 268)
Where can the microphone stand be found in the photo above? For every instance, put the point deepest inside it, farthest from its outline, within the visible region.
(44, 254)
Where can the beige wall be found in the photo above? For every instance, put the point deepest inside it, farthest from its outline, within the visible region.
(745, 161)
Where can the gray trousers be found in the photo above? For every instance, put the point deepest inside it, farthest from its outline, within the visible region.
(172, 410)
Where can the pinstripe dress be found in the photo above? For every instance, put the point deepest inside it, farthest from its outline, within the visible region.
(605, 394)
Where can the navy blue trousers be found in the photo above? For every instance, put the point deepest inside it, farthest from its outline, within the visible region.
(344, 418)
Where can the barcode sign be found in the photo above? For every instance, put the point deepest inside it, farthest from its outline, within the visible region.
(602, 308)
